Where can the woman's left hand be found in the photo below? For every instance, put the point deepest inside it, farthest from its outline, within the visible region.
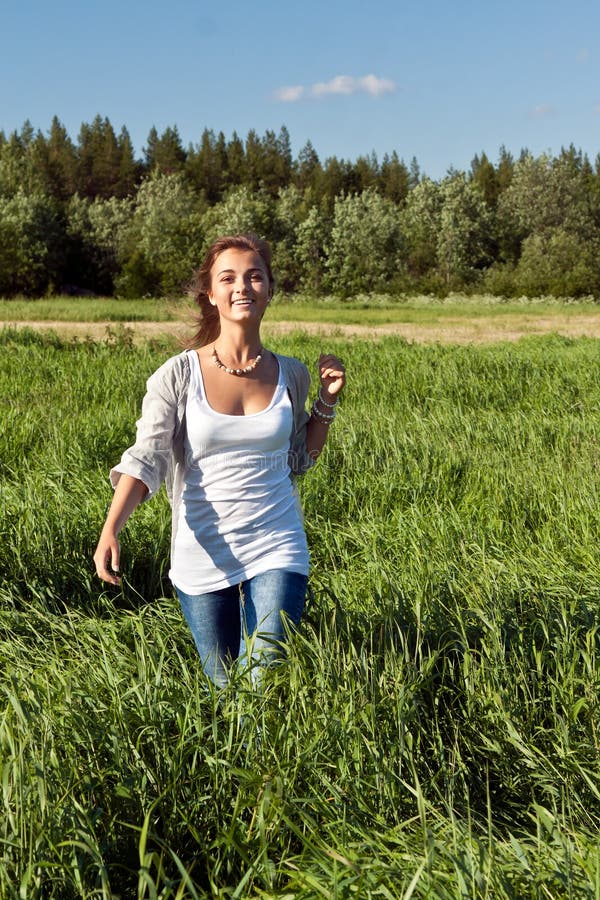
(332, 374)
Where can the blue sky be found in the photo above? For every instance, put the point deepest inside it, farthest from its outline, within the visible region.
(434, 79)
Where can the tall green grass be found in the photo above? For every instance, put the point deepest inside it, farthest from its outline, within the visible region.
(434, 731)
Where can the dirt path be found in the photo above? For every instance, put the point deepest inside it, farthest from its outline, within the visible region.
(459, 330)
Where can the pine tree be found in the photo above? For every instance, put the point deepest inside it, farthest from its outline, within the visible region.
(307, 169)
(236, 169)
(393, 179)
(254, 160)
(99, 160)
(336, 181)
(62, 162)
(484, 177)
(504, 169)
(204, 167)
(362, 174)
(164, 154)
(21, 163)
(284, 148)
(275, 167)
(150, 150)
(130, 169)
(414, 174)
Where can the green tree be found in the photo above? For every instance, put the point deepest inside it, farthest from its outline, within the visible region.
(558, 263)
(365, 251)
(421, 220)
(236, 171)
(130, 169)
(394, 179)
(334, 182)
(485, 178)
(464, 234)
(545, 194)
(268, 161)
(312, 238)
(414, 174)
(283, 162)
(162, 243)
(97, 231)
(504, 169)
(254, 160)
(164, 153)
(365, 173)
(548, 193)
(289, 211)
(241, 211)
(31, 244)
(99, 160)
(206, 165)
(20, 169)
(62, 163)
(307, 169)
(279, 162)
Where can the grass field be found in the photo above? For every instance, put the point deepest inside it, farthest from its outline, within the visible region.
(435, 729)
(371, 310)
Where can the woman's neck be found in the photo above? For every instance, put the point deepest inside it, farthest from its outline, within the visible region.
(238, 344)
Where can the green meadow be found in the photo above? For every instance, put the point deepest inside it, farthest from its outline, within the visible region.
(434, 730)
(367, 309)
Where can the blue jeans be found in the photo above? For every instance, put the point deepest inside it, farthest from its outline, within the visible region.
(221, 621)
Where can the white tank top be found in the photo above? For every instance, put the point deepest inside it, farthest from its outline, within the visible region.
(239, 514)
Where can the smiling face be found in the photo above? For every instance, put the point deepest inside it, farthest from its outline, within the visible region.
(239, 285)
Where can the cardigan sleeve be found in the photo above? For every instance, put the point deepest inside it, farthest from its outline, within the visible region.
(298, 382)
(149, 459)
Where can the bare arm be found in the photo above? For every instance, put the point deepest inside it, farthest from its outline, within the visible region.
(333, 378)
(128, 495)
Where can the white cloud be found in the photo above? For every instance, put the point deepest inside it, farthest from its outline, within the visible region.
(341, 84)
(582, 55)
(376, 86)
(290, 94)
(597, 109)
(542, 111)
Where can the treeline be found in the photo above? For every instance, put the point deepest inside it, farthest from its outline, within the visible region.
(87, 215)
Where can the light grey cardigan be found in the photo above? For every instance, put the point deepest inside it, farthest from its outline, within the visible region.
(158, 452)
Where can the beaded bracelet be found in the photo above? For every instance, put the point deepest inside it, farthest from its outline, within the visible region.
(321, 417)
(325, 403)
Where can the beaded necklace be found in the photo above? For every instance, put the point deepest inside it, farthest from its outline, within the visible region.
(245, 371)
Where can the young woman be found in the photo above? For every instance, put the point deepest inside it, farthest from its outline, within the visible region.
(224, 424)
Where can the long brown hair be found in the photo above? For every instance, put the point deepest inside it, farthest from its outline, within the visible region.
(208, 326)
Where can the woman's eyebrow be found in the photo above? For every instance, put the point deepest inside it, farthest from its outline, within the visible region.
(232, 271)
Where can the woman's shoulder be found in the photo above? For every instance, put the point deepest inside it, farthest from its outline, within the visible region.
(292, 366)
(174, 371)
(296, 377)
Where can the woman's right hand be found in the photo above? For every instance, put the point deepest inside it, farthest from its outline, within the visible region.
(128, 495)
(108, 553)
